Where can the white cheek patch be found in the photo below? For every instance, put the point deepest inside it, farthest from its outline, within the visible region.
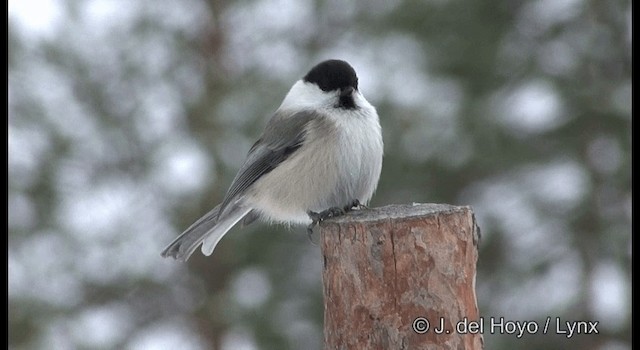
(307, 96)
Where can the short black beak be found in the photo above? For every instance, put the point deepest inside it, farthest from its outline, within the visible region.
(346, 91)
(346, 98)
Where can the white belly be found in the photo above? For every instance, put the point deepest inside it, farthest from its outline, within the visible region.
(329, 171)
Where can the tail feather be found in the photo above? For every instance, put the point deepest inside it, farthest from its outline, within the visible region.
(230, 217)
(207, 229)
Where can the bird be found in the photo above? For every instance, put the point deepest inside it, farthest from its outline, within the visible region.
(319, 156)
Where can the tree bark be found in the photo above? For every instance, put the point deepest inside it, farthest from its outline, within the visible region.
(387, 270)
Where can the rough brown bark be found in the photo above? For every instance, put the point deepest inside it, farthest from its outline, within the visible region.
(385, 268)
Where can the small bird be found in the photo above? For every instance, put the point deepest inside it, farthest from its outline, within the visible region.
(319, 156)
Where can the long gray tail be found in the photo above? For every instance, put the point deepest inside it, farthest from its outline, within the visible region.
(208, 230)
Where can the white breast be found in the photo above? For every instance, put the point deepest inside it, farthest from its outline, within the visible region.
(361, 150)
(340, 162)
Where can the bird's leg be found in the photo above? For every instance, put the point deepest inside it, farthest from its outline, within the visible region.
(317, 218)
(355, 204)
(332, 212)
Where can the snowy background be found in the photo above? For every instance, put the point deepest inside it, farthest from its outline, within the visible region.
(128, 120)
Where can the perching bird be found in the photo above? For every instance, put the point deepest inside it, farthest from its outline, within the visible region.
(319, 155)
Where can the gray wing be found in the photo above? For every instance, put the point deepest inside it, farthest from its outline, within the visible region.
(282, 137)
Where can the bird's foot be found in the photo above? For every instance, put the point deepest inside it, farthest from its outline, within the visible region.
(355, 204)
(333, 212)
(317, 218)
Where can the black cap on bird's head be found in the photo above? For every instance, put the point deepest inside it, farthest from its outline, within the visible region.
(332, 75)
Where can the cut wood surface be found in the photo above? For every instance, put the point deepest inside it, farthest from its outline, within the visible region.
(389, 269)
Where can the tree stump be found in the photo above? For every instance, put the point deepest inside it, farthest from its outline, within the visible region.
(391, 272)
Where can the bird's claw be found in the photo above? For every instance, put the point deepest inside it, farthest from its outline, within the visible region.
(332, 212)
(355, 205)
(317, 218)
